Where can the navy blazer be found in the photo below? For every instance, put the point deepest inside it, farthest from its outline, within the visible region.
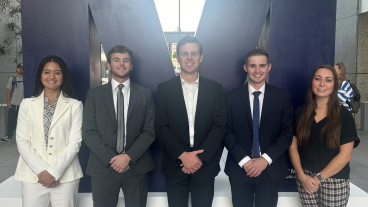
(275, 132)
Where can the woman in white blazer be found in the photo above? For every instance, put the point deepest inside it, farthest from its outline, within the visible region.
(48, 138)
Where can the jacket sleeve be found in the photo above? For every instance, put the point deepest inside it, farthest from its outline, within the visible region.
(146, 138)
(231, 143)
(217, 133)
(166, 137)
(90, 134)
(285, 137)
(75, 138)
(26, 150)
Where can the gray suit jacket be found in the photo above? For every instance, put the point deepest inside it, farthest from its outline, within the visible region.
(100, 130)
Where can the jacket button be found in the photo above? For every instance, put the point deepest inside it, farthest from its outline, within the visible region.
(50, 153)
(50, 146)
(51, 138)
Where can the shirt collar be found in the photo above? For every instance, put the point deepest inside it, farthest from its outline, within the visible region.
(115, 84)
(46, 100)
(251, 89)
(183, 81)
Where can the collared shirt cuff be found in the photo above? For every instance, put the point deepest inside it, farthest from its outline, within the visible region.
(243, 161)
(269, 160)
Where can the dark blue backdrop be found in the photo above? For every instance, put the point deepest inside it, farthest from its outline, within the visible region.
(302, 36)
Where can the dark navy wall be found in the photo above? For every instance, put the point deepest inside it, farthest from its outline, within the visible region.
(59, 28)
(228, 30)
(301, 38)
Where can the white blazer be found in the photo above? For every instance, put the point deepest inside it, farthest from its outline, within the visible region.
(59, 158)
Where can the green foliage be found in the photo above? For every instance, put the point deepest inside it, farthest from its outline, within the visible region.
(12, 10)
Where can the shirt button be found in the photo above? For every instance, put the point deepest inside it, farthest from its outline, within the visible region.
(51, 138)
(50, 146)
(50, 153)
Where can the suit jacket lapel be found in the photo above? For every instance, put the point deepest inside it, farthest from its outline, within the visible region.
(202, 89)
(37, 108)
(134, 95)
(267, 101)
(109, 100)
(62, 105)
(178, 91)
(245, 98)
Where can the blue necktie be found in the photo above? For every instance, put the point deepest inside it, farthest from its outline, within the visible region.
(255, 148)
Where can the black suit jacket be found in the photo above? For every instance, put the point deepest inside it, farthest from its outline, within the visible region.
(172, 128)
(100, 126)
(275, 132)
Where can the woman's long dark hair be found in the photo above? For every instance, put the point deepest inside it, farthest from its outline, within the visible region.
(66, 86)
(333, 126)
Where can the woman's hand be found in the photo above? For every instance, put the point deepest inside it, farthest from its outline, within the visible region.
(54, 184)
(310, 185)
(46, 179)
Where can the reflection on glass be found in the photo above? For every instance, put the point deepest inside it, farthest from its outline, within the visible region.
(105, 73)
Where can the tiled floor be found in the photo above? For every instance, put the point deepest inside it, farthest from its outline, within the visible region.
(358, 175)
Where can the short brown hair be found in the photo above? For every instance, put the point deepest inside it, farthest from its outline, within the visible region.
(257, 52)
(188, 39)
(119, 49)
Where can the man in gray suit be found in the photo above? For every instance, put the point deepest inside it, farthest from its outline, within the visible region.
(118, 129)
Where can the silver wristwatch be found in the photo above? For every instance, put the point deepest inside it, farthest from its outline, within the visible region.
(320, 177)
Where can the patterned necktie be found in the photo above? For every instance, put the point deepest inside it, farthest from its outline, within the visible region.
(255, 148)
(120, 116)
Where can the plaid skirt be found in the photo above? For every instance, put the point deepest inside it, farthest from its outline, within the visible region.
(332, 192)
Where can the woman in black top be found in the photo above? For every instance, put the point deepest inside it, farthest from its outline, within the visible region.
(324, 138)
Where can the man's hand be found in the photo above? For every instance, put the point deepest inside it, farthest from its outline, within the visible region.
(120, 162)
(191, 161)
(256, 167)
(185, 170)
(246, 165)
(45, 178)
(9, 105)
(125, 169)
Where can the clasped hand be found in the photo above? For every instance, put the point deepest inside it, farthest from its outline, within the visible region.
(255, 166)
(47, 180)
(120, 163)
(190, 162)
(310, 184)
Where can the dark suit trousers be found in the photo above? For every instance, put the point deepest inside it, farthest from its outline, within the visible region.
(261, 189)
(178, 189)
(105, 192)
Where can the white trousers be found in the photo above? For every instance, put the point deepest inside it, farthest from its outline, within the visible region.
(64, 195)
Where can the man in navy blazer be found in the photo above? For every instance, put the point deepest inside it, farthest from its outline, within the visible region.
(256, 161)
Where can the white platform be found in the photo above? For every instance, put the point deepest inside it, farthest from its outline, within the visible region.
(10, 196)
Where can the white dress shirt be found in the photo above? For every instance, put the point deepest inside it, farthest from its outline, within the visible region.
(126, 93)
(251, 100)
(190, 93)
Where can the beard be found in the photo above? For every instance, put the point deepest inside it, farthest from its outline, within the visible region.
(120, 76)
